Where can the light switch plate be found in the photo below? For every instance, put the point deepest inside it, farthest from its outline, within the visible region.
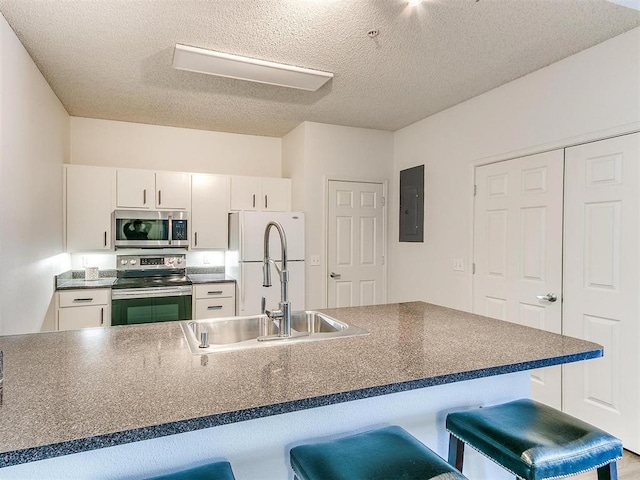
(315, 260)
(458, 264)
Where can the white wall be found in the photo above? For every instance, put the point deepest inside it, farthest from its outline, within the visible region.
(122, 144)
(313, 152)
(592, 91)
(34, 144)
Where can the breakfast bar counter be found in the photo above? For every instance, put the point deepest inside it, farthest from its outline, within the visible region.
(77, 391)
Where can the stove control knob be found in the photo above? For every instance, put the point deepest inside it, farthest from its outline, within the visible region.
(123, 262)
(133, 261)
(179, 260)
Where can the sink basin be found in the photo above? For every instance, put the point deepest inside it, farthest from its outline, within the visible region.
(236, 333)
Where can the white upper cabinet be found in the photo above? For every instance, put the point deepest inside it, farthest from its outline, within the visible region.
(265, 194)
(154, 190)
(209, 210)
(172, 190)
(244, 193)
(135, 188)
(89, 203)
(276, 195)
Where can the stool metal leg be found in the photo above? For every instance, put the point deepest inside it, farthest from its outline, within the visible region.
(608, 472)
(456, 452)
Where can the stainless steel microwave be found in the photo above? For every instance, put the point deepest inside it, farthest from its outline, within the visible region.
(150, 229)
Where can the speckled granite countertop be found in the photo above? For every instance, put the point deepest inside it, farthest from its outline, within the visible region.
(81, 283)
(209, 278)
(67, 392)
(69, 283)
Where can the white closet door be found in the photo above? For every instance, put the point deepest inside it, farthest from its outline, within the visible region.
(602, 265)
(518, 250)
(355, 244)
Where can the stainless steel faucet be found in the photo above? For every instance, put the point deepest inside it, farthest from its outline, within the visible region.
(284, 312)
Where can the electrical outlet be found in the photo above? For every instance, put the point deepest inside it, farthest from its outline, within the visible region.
(315, 260)
(458, 265)
(85, 261)
(205, 259)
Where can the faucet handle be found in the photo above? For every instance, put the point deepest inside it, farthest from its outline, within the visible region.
(263, 305)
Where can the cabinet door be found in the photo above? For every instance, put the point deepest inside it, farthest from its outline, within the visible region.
(276, 195)
(73, 318)
(89, 203)
(215, 308)
(244, 193)
(209, 211)
(172, 190)
(135, 188)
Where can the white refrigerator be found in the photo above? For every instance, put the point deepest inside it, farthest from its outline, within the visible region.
(244, 259)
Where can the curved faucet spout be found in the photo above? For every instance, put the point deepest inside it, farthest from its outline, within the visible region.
(285, 307)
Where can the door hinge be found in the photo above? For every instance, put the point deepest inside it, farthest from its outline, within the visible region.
(475, 190)
(384, 201)
(473, 269)
(383, 259)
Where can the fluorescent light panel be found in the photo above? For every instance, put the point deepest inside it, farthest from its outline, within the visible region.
(194, 59)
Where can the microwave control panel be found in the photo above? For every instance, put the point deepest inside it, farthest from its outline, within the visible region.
(179, 228)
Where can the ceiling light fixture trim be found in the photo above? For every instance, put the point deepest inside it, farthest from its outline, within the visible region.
(210, 62)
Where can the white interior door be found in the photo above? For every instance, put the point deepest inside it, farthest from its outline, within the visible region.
(355, 244)
(602, 264)
(518, 251)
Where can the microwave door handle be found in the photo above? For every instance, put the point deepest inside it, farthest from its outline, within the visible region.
(170, 229)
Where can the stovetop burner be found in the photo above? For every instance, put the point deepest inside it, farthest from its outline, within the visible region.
(151, 281)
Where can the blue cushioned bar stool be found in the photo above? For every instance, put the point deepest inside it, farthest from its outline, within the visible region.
(389, 453)
(533, 441)
(210, 471)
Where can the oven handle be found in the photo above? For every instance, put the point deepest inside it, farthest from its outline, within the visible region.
(152, 292)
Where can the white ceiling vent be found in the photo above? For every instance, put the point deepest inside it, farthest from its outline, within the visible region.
(221, 64)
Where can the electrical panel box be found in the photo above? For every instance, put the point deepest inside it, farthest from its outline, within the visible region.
(412, 204)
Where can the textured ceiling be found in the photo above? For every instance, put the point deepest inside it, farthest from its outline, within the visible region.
(112, 59)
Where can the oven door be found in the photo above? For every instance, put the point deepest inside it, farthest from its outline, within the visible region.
(146, 305)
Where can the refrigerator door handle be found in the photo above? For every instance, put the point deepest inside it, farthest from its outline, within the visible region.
(242, 289)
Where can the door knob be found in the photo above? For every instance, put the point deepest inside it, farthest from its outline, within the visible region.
(549, 297)
(335, 275)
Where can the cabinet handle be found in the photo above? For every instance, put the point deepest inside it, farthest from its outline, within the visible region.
(266, 204)
(159, 197)
(105, 238)
(254, 200)
(195, 239)
(101, 316)
(215, 292)
(214, 307)
(144, 196)
(83, 299)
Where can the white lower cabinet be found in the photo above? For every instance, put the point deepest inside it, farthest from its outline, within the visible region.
(212, 300)
(83, 308)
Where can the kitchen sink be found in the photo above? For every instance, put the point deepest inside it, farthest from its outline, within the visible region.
(237, 333)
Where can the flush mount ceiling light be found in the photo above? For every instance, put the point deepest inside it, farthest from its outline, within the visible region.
(201, 60)
(414, 2)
